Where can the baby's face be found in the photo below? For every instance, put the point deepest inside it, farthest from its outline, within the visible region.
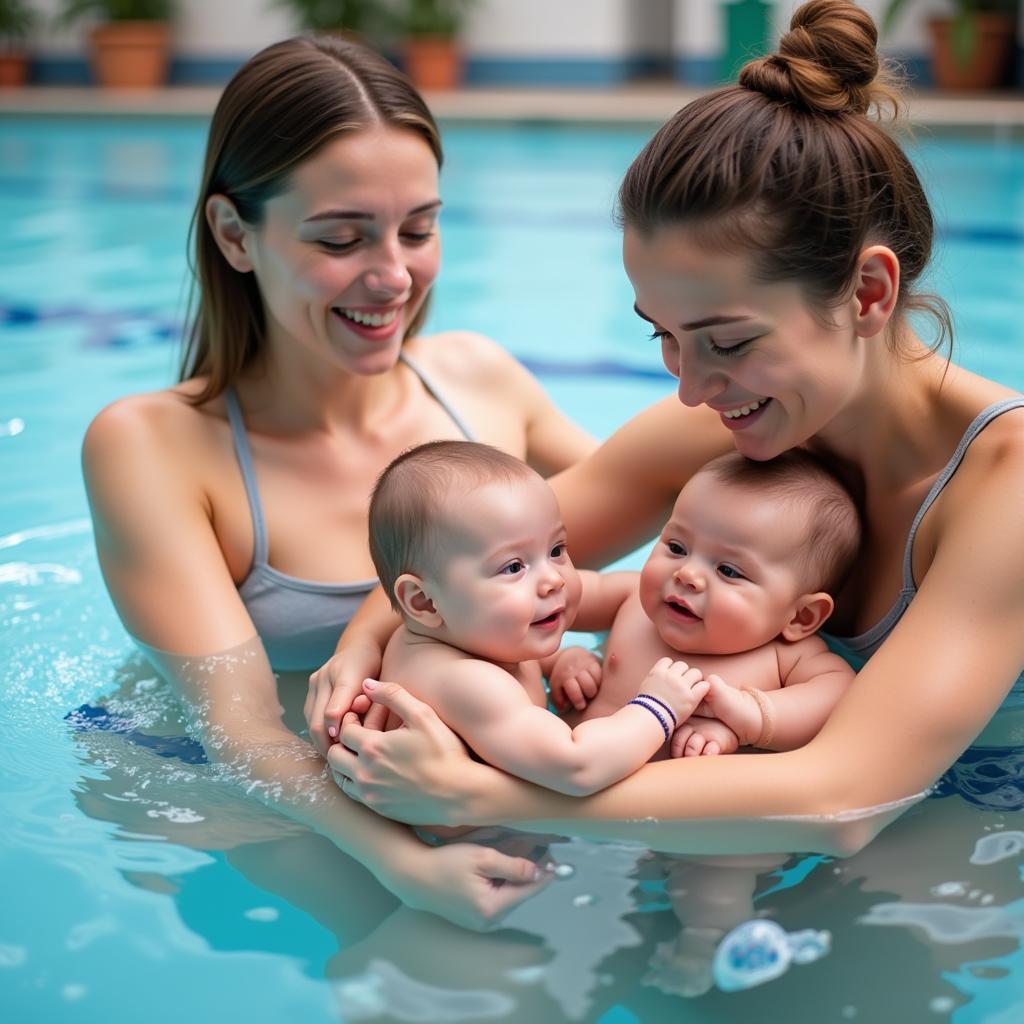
(724, 574)
(505, 586)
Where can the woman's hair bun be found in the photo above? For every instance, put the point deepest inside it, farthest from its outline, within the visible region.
(827, 62)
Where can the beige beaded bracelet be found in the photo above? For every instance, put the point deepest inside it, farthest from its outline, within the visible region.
(767, 716)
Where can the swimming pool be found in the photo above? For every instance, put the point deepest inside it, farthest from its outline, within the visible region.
(135, 884)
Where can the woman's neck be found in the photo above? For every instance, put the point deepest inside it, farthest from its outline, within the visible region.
(901, 424)
(289, 396)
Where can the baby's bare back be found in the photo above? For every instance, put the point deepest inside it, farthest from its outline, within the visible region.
(423, 665)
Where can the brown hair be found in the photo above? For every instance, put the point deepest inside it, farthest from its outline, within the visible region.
(803, 484)
(280, 107)
(788, 165)
(410, 501)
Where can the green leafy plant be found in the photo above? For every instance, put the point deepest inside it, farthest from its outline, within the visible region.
(117, 10)
(964, 29)
(17, 19)
(431, 17)
(360, 16)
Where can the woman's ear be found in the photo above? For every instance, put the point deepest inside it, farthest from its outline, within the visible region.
(877, 287)
(415, 602)
(808, 616)
(229, 232)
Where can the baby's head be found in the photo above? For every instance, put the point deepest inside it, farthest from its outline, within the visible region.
(469, 545)
(752, 551)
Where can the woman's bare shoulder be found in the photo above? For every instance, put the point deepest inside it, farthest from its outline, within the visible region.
(149, 418)
(463, 357)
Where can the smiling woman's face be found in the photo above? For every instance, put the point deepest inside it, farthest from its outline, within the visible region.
(346, 255)
(754, 352)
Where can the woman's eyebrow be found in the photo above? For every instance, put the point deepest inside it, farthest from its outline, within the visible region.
(696, 325)
(364, 215)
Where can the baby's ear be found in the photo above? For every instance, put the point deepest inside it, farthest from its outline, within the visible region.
(415, 602)
(808, 615)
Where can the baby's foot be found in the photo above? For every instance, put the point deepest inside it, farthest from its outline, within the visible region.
(682, 966)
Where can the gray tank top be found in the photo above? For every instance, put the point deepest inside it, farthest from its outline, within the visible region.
(299, 621)
(863, 646)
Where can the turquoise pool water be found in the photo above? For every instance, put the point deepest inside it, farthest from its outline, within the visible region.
(135, 884)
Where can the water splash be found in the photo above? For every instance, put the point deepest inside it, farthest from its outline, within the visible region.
(997, 846)
(25, 574)
(950, 924)
(71, 528)
(385, 991)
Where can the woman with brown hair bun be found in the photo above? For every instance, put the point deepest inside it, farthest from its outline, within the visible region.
(230, 510)
(776, 235)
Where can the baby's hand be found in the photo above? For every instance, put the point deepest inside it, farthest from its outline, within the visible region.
(703, 736)
(676, 684)
(575, 678)
(736, 708)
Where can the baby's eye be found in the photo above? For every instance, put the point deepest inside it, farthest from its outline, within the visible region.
(558, 551)
(675, 547)
(513, 568)
(731, 573)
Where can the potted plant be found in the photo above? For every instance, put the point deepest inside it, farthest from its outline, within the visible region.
(430, 51)
(131, 41)
(971, 48)
(355, 19)
(17, 20)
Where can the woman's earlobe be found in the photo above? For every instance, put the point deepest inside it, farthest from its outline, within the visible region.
(877, 289)
(229, 232)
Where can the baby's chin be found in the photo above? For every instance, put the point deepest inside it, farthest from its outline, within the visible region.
(515, 654)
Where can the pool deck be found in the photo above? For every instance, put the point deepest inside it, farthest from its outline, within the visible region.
(999, 113)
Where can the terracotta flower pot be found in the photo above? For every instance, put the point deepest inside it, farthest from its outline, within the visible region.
(13, 69)
(433, 62)
(131, 54)
(989, 60)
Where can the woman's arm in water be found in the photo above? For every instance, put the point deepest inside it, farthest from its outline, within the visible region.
(167, 576)
(916, 705)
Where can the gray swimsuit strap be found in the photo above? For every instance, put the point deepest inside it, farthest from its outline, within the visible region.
(872, 638)
(978, 424)
(260, 549)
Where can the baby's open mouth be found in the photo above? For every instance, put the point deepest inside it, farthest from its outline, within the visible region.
(682, 610)
(548, 620)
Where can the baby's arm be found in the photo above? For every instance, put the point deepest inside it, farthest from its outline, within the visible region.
(490, 710)
(602, 597)
(812, 680)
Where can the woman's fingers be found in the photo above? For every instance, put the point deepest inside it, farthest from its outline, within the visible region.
(376, 716)
(409, 709)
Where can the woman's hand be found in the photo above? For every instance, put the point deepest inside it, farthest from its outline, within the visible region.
(469, 885)
(420, 774)
(335, 689)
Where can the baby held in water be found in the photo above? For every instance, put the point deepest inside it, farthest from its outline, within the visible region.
(469, 545)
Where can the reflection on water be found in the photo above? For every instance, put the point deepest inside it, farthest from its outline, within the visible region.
(925, 921)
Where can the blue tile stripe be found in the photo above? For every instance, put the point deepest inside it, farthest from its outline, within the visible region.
(703, 70)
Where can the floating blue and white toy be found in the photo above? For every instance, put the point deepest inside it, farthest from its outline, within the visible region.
(758, 951)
